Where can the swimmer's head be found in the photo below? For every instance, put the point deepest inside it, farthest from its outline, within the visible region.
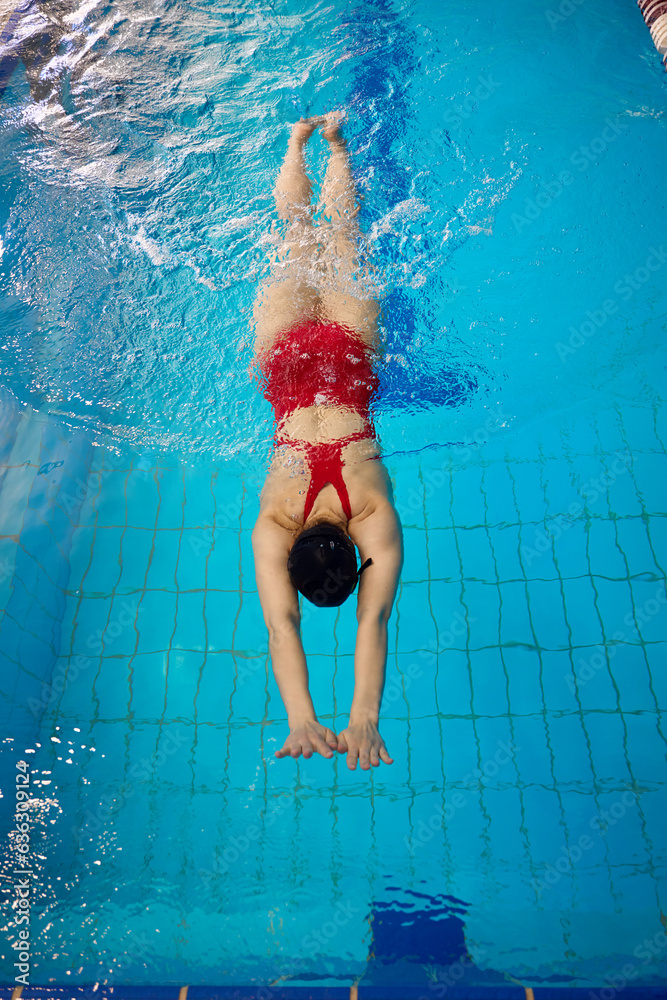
(322, 565)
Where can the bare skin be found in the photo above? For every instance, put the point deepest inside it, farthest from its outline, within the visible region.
(311, 278)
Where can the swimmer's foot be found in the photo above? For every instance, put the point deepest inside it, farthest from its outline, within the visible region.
(303, 129)
(331, 125)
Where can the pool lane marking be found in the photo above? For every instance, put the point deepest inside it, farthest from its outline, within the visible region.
(654, 13)
(183, 993)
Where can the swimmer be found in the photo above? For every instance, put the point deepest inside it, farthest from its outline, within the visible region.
(327, 494)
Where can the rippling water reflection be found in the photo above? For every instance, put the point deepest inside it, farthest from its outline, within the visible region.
(143, 145)
(140, 144)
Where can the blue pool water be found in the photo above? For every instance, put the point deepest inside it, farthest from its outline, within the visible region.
(511, 164)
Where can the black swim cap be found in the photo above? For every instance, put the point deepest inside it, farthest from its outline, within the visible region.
(323, 565)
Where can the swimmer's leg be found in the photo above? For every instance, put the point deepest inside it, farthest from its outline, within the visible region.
(293, 191)
(342, 293)
(339, 192)
(287, 295)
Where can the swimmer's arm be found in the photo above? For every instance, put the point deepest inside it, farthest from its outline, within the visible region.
(271, 544)
(280, 606)
(377, 536)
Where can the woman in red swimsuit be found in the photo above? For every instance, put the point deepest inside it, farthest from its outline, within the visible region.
(316, 340)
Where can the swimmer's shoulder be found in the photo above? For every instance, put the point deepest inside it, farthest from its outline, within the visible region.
(274, 527)
(370, 494)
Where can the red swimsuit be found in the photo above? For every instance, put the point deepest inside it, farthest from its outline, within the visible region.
(312, 364)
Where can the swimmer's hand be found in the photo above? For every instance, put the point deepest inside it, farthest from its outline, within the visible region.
(308, 737)
(362, 741)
